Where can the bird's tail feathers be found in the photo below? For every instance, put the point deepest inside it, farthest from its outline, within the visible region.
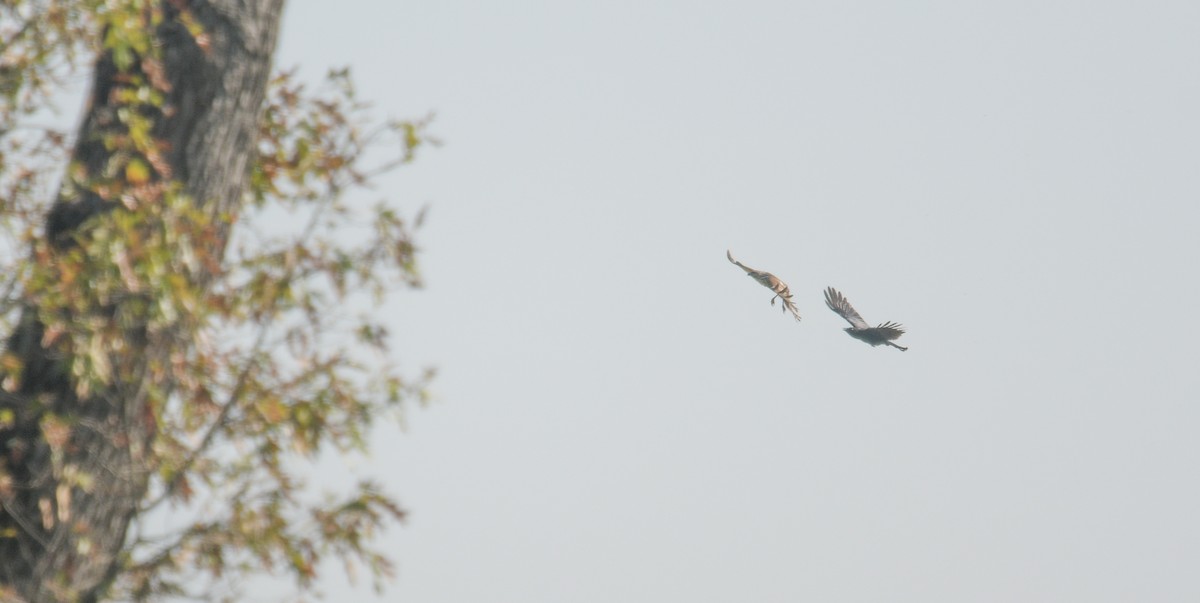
(789, 306)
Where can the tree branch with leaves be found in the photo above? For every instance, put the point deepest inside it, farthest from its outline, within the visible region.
(180, 343)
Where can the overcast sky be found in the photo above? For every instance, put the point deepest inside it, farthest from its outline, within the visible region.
(622, 416)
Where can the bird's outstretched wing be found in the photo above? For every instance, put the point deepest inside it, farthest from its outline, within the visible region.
(839, 304)
(888, 330)
(765, 279)
(738, 264)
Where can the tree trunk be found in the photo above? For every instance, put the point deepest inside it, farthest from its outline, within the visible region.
(61, 537)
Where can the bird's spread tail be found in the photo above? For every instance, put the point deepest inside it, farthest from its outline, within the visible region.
(789, 306)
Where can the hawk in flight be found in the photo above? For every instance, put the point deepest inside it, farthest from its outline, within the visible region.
(771, 282)
(859, 329)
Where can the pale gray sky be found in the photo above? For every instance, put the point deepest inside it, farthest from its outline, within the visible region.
(621, 414)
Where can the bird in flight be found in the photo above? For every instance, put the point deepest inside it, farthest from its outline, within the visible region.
(859, 329)
(771, 282)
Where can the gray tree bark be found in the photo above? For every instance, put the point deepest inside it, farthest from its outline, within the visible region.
(60, 541)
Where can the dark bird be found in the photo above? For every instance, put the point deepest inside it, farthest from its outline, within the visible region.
(859, 329)
(771, 282)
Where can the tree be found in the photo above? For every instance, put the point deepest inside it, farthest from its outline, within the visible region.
(171, 358)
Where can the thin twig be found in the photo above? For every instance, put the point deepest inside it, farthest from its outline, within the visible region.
(234, 398)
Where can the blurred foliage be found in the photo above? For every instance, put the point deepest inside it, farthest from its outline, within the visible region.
(270, 364)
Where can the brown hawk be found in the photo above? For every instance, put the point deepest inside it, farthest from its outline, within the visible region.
(859, 329)
(771, 282)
